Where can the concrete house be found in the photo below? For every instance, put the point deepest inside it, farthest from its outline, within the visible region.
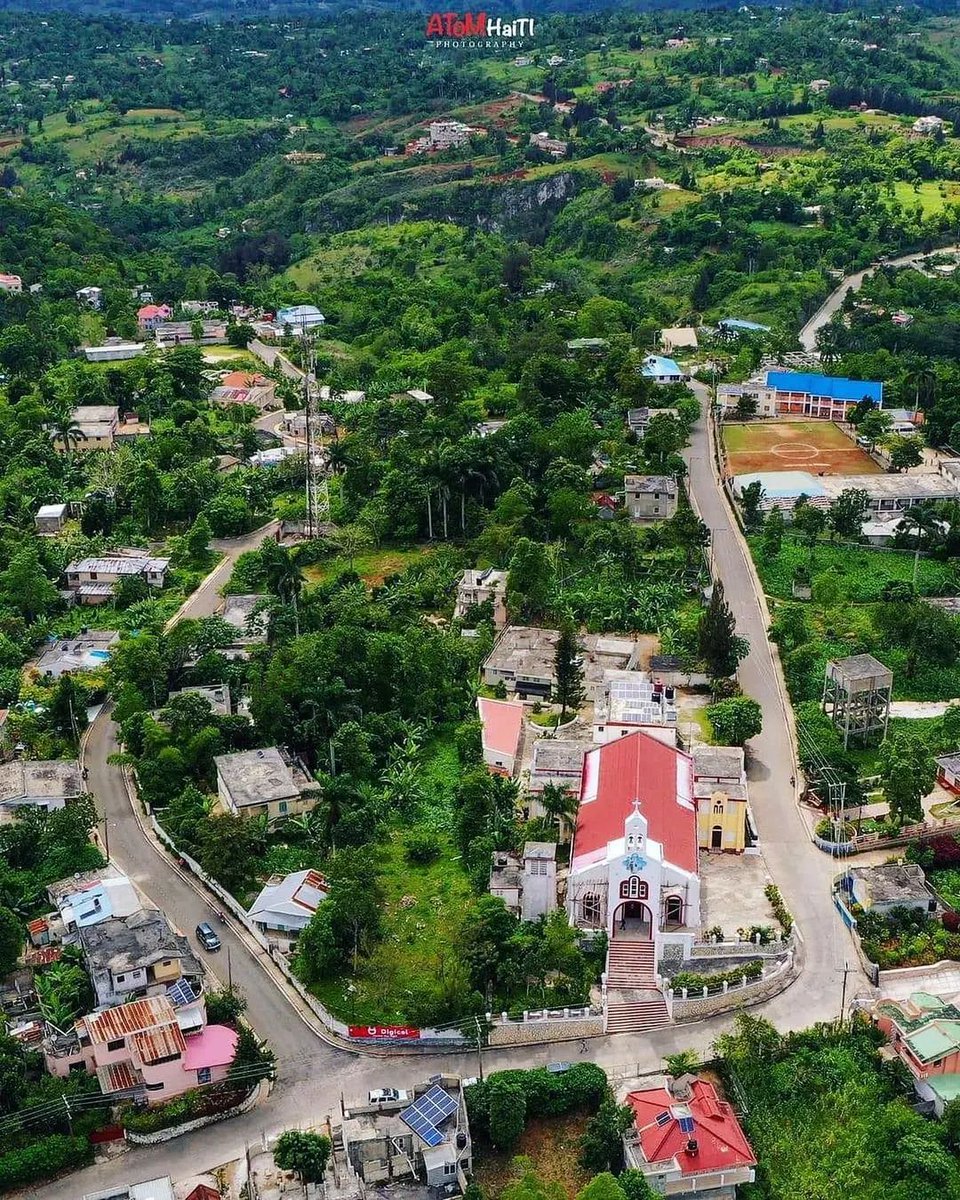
(152, 315)
(10, 283)
(661, 369)
(501, 734)
(651, 497)
(148, 1048)
(882, 888)
(94, 580)
(113, 350)
(91, 296)
(97, 425)
(245, 387)
(89, 650)
(139, 955)
(423, 1141)
(527, 883)
(720, 788)
(266, 782)
(687, 1141)
(523, 660)
(286, 904)
(477, 586)
(92, 897)
(46, 784)
(923, 1031)
(51, 518)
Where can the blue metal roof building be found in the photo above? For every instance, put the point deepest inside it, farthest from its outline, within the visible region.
(736, 325)
(833, 387)
(655, 366)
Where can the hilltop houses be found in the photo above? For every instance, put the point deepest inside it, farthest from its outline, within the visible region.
(265, 782)
(94, 580)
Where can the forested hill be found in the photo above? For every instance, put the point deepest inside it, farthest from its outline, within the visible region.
(218, 10)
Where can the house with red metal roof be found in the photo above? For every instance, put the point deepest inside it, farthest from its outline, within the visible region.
(150, 1048)
(687, 1141)
(501, 734)
(635, 869)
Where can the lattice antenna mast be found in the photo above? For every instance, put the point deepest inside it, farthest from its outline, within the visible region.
(318, 491)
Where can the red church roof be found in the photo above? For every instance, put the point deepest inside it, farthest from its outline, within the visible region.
(636, 767)
(720, 1142)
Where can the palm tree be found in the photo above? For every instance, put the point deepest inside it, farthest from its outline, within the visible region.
(560, 806)
(66, 431)
(923, 521)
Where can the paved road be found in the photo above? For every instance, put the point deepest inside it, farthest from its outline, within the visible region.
(852, 283)
(314, 1075)
(801, 871)
(271, 356)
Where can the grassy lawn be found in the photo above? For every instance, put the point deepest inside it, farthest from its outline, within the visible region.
(859, 574)
(221, 355)
(373, 566)
(932, 195)
(552, 1146)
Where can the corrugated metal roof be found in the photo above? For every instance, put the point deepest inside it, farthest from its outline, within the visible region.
(837, 387)
(156, 1044)
(114, 1023)
(119, 1077)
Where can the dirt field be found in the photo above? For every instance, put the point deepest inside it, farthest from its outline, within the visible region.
(815, 446)
(553, 1146)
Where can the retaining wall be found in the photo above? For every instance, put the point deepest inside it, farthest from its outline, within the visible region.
(755, 991)
(525, 1033)
(167, 1135)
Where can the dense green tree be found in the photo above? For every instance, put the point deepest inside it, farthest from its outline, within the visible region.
(305, 1153)
(720, 647)
(11, 941)
(568, 670)
(907, 773)
(508, 1111)
(735, 720)
(601, 1147)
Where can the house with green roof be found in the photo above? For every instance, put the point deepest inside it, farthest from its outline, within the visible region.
(924, 1033)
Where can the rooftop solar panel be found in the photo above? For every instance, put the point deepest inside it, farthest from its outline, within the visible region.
(181, 993)
(427, 1112)
(662, 1118)
(686, 1125)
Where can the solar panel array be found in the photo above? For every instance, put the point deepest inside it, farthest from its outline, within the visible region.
(635, 701)
(687, 1125)
(663, 1118)
(181, 993)
(427, 1112)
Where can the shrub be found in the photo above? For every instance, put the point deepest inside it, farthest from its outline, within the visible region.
(43, 1158)
(225, 1007)
(305, 1153)
(507, 1111)
(714, 983)
(945, 850)
(951, 921)
(422, 847)
(780, 910)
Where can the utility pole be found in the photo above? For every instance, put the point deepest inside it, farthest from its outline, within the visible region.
(229, 972)
(843, 991)
(476, 1021)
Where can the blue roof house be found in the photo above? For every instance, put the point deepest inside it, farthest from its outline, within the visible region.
(661, 370)
(804, 393)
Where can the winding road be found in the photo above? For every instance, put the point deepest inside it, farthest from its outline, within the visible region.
(313, 1075)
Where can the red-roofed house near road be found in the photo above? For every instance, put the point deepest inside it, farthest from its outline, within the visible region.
(634, 869)
(687, 1141)
(502, 732)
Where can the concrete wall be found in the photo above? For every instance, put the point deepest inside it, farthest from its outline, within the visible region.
(755, 992)
(526, 1033)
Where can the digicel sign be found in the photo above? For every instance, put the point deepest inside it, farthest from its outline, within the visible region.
(460, 25)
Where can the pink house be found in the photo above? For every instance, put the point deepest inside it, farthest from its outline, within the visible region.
(502, 731)
(141, 1048)
(150, 316)
(923, 1031)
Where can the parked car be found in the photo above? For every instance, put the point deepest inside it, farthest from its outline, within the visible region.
(558, 1068)
(387, 1096)
(207, 937)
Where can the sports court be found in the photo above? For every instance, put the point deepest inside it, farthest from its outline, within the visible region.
(819, 447)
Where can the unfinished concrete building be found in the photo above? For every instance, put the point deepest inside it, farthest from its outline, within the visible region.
(856, 696)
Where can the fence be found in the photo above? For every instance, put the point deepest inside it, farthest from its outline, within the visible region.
(685, 1006)
(921, 831)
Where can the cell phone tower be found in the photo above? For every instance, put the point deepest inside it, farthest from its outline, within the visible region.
(318, 489)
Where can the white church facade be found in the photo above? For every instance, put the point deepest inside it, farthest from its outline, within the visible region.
(634, 869)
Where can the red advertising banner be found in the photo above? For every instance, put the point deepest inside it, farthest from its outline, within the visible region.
(392, 1033)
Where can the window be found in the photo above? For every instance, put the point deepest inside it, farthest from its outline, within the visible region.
(718, 806)
(449, 1168)
(121, 978)
(674, 910)
(117, 1044)
(282, 806)
(204, 1075)
(154, 1087)
(93, 574)
(633, 888)
(590, 908)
